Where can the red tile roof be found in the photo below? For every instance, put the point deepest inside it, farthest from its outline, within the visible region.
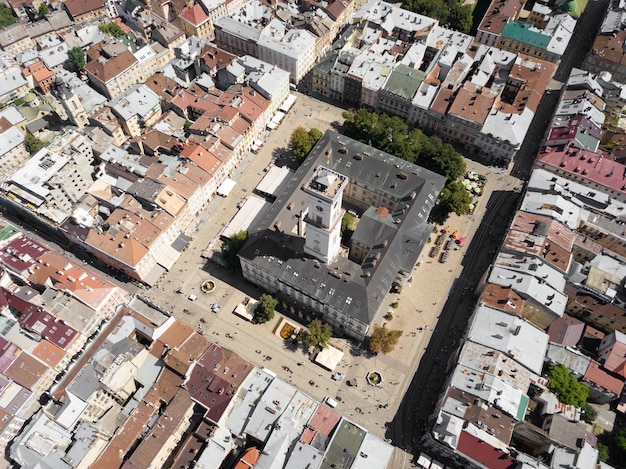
(195, 15)
(566, 331)
(26, 370)
(602, 379)
(106, 70)
(585, 165)
(202, 157)
(37, 319)
(486, 455)
(323, 421)
(56, 269)
(20, 253)
(215, 378)
(80, 7)
(48, 353)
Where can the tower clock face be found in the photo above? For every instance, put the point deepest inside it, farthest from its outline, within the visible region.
(319, 208)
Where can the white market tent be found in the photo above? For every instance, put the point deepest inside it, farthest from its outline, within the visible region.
(278, 117)
(251, 208)
(272, 181)
(225, 187)
(329, 358)
(288, 103)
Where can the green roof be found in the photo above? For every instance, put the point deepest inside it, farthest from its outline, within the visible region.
(404, 81)
(7, 231)
(520, 32)
(344, 446)
(130, 41)
(521, 410)
(587, 139)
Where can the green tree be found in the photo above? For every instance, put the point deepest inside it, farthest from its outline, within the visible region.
(391, 134)
(319, 334)
(33, 144)
(603, 452)
(567, 388)
(76, 56)
(348, 222)
(112, 29)
(384, 340)
(264, 311)
(315, 134)
(235, 243)
(590, 413)
(6, 16)
(302, 141)
(451, 13)
(455, 198)
(44, 9)
(449, 163)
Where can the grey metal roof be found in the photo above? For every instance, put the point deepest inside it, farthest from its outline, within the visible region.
(358, 290)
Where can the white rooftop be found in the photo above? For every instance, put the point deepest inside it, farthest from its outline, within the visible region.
(510, 334)
(268, 410)
(12, 114)
(491, 389)
(486, 360)
(35, 172)
(244, 403)
(533, 266)
(9, 139)
(552, 205)
(530, 287)
(138, 100)
(508, 127)
(374, 452)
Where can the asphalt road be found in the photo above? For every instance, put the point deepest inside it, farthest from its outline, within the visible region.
(581, 42)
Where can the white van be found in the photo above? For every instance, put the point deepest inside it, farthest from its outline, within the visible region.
(330, 402)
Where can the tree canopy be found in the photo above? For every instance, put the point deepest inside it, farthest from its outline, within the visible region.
(567, 388)
(6, 16)
(235, 243)
(43, 10)
(264, 311)
(33, 144)
(76, 56)
(392, 135)
(111, 28)
(455, 198)
(451, 13)
(302, 141)
(384, 340)
(319, 334)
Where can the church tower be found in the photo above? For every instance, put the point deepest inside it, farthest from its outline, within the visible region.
(323, 218)
(73, 107)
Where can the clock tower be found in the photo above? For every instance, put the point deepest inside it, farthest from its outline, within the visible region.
(323, 217)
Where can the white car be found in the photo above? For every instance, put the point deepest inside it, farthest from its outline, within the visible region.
(338, 376)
